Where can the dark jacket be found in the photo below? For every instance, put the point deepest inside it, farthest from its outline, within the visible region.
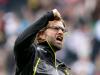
(38, 59)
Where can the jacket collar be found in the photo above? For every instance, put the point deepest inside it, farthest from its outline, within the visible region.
(50, 54)
(51, 57)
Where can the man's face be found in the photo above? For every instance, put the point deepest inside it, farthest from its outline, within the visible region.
(54, 34)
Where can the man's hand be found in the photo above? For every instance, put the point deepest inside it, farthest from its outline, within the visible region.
(56, 14)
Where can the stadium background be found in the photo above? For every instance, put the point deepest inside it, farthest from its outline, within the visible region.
(81, 49)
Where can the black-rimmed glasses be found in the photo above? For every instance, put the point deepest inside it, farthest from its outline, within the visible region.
(57, 28)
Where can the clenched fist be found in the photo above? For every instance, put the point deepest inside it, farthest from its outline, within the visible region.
(56, 14)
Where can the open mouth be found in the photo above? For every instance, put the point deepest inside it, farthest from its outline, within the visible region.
(59, 38)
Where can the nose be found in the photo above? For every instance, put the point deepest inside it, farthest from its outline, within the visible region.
(60, 31)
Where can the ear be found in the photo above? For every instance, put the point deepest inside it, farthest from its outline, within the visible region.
(41, 37)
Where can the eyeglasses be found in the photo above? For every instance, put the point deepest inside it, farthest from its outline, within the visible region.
(56, 28)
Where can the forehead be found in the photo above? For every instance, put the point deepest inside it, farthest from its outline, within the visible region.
(56, 23)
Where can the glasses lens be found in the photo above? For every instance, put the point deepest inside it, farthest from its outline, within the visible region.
(57, 28)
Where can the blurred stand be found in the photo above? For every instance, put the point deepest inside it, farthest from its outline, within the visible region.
(81, 49)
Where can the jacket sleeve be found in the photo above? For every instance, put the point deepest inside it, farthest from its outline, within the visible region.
(26, 38)
(22, 47)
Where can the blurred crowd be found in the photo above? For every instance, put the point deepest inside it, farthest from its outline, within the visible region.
(81, 49)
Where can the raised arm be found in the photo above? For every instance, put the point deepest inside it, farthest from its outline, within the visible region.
(26, 38)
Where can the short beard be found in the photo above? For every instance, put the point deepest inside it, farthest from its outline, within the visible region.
(56, 48)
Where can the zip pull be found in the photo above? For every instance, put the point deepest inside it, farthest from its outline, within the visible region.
(66, 72)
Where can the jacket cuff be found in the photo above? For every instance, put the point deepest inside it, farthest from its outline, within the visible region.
(50, 16)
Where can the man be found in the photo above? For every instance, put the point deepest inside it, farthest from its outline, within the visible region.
(38, 58)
